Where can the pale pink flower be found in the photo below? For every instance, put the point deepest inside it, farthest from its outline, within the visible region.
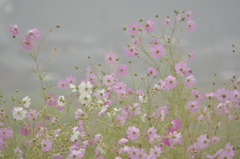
(181, 68)
(77, 154)
(51, 100)
(130, 51)
(170, 82)
(155, 152)
(133, 133)
(14, 30)
(152, 132)
(149, 26)
(155, 42)
(122, 141)
(189, 15)
(191, 25)
(122, 69)
(133, 28)
(32, 114)
(197, 95)
(136, 42)
(32, 35)
(110, 58)
(178, 17)
(27, 45)
(157, 51)
(62, 84)
(190, 81)
(167, 21)
(174, 125)
(193, 106)
(202, 141)
(70, 79)
(108, 80)
(6, 133)
(46, 144)
(214, 140)
(175, 138)
(120, 87)
(152, 71)
(190, 55)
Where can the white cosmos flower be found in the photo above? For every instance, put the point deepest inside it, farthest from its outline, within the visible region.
(19, 113)
(85, 88)
(75, 134)
(85, 99)
(61, 101)
(75, 88)
(26, 101)
(142, 98)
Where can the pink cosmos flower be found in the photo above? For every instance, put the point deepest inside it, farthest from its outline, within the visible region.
(32, 114)
(32, 35)
(191, 25)
(18, 152)
(122, 69)
(46, 145)
(131, 51)
(193, 106)
(155, 42)
(174, 125)
(51, 100)
(120, 120)
(27, 45)
(174, 138)
(14, 30)
(170, 82)
(70, 79)
(178, 17)
(108, 80)
(149, 26)
(152, 71)
(181, 68)
(155, 152)
(157, 51)
(152, 132)
(120, 87)
(228, 151)
(62, 84)
(222, 94)
(214, 140)
(110, 58)
(122, 141)
(197, 95)
(57, 156)
(133, 133)
(5, 133)
(103, 110)
(133, 28)
(141, 154)
(190, 81)
(25, 130)
(167, 21)
(202, 141)
(77, 154)
(190, 55)
(189, 15)
(136, 42)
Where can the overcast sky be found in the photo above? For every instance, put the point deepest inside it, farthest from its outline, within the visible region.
(94, 27)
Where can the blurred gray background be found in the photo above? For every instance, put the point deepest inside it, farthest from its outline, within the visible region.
(94, 27)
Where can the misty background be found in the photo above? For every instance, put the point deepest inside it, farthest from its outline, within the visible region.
(94, 28)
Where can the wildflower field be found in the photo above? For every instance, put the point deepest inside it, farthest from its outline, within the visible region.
(158, 114)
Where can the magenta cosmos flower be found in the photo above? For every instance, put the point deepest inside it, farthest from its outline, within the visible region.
(149, 26)
(14, 30)
(157, 51)
(122, 69)
(191, 25)
(174, 125)
(110, 58)
(133, 133)
(46, 144)
(170, 82)
(133, 28)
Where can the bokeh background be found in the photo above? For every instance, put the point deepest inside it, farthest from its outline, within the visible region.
(94, 27)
